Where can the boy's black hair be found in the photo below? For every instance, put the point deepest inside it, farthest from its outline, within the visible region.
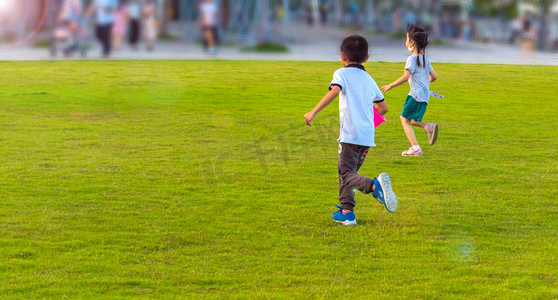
(419, 35)
(355, 48)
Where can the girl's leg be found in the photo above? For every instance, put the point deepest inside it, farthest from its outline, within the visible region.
(430, 128)
(418, 124)
(409, 130)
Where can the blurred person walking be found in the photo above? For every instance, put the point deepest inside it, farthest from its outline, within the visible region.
(324, 7)
(208, 25)
(396, 19)
(515, 30)
(134, 25)
(119, 27)
(354, 8)
(529, 37)
(71, 17)
(104, 19)
(150, 24)
(309, 15)
(448, 25)
(71, 10)
(410, 18)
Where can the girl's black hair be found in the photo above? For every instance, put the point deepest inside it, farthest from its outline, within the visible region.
(419, 35)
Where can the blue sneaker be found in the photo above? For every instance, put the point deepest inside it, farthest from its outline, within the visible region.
(383, 192)
(347, 219)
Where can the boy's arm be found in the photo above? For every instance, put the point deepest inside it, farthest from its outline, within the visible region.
(326, 100)
(398, 82)
(433, 76)
(382, 108)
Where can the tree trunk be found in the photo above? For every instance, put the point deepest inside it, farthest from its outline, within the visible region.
(315, 11)
(543, 34)
(165, 16)
(339, 12)
(370, 11)
(287, 11)
(225, 15)
(436, 16)
(264, 24)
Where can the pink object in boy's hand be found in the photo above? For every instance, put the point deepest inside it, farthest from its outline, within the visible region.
(378, 119)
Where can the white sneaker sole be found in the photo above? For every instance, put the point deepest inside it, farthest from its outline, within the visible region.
(414, 154)
(389, 196)
(347, 222)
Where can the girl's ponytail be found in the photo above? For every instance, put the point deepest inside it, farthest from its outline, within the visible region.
(419, 35)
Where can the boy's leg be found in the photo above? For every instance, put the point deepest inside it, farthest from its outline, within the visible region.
(351, 157)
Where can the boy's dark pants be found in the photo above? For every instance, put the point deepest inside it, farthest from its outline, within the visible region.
(351, 157)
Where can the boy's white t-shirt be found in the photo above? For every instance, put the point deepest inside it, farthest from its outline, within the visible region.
(358, 94)
(420, 78)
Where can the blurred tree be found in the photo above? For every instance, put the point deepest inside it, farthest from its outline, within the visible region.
(339, 14)
(544, 6)
(225, 15)
(166, 6)
(508, 8)
(544, 11)
(436, 12)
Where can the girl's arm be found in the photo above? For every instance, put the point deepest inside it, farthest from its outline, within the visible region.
(398, 82)
(326, 100)
(433, 76)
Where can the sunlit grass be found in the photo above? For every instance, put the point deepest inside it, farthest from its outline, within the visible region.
(200, 179)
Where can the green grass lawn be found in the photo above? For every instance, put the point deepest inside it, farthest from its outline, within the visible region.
(200, 179)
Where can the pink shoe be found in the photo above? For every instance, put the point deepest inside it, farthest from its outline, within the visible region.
(412, 152)
(432, 130)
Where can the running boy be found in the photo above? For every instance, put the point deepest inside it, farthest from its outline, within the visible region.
(419, 73)
(357, 93)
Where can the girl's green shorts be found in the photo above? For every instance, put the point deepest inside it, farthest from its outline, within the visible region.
(413, 110)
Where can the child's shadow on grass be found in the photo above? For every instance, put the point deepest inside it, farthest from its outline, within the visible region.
(359, 223)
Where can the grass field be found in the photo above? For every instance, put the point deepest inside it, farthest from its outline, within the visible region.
(200, 179)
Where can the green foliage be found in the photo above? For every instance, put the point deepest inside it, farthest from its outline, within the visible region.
(41, 43)
(169, 37)
(127, 179)
(505, 8)
(267, 47)
(398, 36)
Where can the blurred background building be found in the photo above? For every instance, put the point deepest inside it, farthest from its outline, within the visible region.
(251, 22)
